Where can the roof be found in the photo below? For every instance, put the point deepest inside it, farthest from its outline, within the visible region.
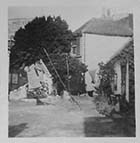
(108, 27)
(126, 52)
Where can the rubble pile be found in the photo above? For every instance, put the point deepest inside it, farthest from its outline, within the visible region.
(19, 93)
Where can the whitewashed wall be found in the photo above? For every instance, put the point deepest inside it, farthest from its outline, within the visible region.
(99, 48)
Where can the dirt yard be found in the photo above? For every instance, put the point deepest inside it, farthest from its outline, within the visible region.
(62, 119)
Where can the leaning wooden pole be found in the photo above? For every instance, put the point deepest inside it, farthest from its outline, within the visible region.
(72, 98)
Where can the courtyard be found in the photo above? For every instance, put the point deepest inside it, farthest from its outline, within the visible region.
(63, 118)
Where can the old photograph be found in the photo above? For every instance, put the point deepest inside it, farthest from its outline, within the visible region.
(71, 72)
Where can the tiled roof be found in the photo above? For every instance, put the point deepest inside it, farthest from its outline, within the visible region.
(107, 26)
(125, 52)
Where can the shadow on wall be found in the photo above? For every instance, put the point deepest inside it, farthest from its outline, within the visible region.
(16, 129)
(107, 127)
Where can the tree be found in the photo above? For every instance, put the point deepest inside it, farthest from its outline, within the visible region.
(51, 34)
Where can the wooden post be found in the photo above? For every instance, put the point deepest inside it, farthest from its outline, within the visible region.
(67, 63)
(127, 80)
(84, 48)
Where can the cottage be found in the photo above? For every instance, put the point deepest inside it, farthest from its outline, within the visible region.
(124, 80)
(122, 61)
(91, 37)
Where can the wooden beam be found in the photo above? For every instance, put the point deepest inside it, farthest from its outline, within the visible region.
(127, 80)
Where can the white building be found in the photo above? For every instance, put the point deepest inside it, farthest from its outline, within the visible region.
(99, 38)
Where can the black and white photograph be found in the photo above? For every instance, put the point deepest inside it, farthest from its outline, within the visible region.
(71, 80)
(71, 70)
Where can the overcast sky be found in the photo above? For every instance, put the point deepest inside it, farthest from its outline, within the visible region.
(76, 13)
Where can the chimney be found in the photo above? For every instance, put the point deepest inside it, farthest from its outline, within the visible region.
(106, 13)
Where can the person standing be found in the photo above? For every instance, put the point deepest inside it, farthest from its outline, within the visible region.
(89, 85)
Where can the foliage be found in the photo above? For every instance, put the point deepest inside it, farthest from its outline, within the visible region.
(76, 69)
(106, 74)
(51, 34)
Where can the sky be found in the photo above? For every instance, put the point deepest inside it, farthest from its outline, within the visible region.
(76, 13)
(75, 16)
